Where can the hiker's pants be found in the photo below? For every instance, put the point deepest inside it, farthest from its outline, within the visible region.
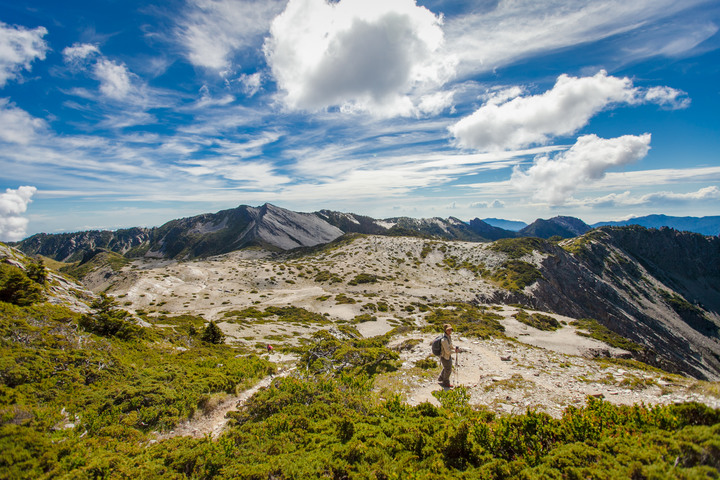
(444, 377)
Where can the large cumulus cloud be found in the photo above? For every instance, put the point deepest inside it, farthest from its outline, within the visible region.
(360, 55)
(509, 121)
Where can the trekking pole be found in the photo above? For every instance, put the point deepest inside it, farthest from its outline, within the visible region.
(457, 365)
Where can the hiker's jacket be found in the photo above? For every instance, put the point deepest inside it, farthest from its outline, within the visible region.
(447, 348)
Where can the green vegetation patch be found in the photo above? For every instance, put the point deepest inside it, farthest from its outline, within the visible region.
(326, 276)
(691, 314)
(349, 353)
(366, 317)
(538, 320)
(466, 319)
(364, 278)
(285, 314)
(52, 373)
(514, 275)
(184, 320)
(600, 332)
(516, 381)
(516, 248)
(113, 260)
(341, 298)
(427, 363)
(325, 421)
(17, 288)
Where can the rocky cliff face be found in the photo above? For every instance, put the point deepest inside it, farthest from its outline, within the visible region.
(71, 247)
(657, 288)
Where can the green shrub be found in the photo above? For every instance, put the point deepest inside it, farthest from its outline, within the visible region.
(604, 334)
(516, 248)
(37, 272)
(363, 278)
(17, 288)
(109, 321)
(366, 317)
(466, 319)
(212, 334)
(427, 363)
(514, 275)
(537, 320)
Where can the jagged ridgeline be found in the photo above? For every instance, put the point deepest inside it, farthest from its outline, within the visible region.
(272, 228)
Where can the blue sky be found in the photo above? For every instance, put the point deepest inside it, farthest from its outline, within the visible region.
(132, 113)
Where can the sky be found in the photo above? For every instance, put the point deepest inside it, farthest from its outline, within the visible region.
(121, 113)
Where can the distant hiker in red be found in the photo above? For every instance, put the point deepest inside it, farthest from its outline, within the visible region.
(270, 348)
(446, 357)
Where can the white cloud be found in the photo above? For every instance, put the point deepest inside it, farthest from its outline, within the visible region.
(213, 31)
(114, 79)
(509, 31)
(251, 83)
(13, 203)
(493, 204)
(19, 47)
(78, 53)
(360, 55)
(508, 121)
(554, 180)
(667, 97)
(16, 125)
(626, 199)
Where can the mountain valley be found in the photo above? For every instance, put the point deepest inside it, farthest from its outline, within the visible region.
(608, 318)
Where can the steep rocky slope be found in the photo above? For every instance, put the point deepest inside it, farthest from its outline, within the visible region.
(657, 288)
(204, 235)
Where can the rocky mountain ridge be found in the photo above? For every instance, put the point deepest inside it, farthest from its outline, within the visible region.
(709, 225)
(658, 288)
(271, 227)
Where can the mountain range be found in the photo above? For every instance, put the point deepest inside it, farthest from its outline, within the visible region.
(276, 228)
(658, 288)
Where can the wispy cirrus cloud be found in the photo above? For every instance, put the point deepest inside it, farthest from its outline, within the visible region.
(506, 32)
(19, 48)
(659, 199)
(114, 77)
(16, 125)
(213, 32)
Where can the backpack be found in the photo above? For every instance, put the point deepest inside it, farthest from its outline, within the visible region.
(437, 345)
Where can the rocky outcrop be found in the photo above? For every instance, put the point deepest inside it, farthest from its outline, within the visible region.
(71, 247)
(658, 288)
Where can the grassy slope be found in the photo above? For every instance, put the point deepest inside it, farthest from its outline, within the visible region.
(327, 423)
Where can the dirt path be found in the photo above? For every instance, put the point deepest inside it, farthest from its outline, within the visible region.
(214, 423)
(512, 376)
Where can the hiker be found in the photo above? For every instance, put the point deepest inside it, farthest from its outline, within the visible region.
(446, 356)
(270, 348)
